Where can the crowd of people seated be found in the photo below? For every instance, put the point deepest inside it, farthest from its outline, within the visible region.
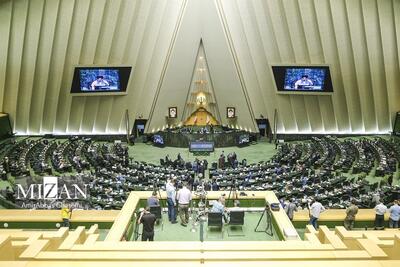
(4, 162)
(197, 166)
(39, 162)
(17, 158)
(208, 129)
(323, 168)
(59, 157)
(317, 169)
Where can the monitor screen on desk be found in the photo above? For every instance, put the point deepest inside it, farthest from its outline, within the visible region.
(243, 139)
(302, 79)
(94, 80)
(158, 139)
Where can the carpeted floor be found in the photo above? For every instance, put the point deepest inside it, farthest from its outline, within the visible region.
(166, 231)
(262, 151)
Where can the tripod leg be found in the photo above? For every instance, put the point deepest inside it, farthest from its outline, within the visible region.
(259, 221)
(159, 195)
(268, 229)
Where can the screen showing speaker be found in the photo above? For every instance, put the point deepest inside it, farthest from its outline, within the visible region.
(243, 139)
(158, 139)
(95, 80)
(307, 79)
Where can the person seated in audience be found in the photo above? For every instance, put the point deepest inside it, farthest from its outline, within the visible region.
(108, 191)
(219, 207)
(394, 215)
(207, 186)
(304, 181)
(10, 194)
(214, 185)
(6, 164)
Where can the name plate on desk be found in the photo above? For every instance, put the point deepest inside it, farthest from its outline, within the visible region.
(201, 146)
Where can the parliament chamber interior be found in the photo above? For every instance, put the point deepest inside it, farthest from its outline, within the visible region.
(199, 133)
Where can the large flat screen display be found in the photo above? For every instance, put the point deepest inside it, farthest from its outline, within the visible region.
(100, 79)
(201, 146)
(302, 79)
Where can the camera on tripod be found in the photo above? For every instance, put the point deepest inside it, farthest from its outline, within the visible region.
(268, 215)
(274, 206)
(200, 191)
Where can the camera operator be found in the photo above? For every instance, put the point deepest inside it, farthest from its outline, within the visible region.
(153, 200)
(148, 220)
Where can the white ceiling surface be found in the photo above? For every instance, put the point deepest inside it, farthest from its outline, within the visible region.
(201, 21)
(42, 41)
(200, 82)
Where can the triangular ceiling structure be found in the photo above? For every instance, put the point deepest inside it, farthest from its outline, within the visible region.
(224, 72)
(201, 92)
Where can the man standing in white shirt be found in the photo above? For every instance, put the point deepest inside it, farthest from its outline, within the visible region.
(184, 197)
(380, 211)
(315, 210)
